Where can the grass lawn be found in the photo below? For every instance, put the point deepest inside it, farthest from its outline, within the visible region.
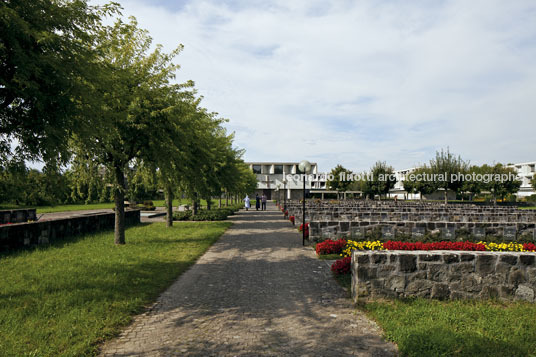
(91, 206)
(69, 297)
(533, 207)
(422, 327)
(328, 256)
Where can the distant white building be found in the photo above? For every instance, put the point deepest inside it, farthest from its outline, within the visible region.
(525, 172)
(398, 190)
(276, 179)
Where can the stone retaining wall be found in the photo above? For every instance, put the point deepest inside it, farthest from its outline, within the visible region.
(357, 230)
(17, 215)
(444, 275)
(18, 235)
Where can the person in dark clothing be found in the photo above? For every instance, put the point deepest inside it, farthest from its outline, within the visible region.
(258, 202)
(263, 200)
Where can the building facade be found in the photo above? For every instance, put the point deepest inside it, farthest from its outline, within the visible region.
(525, 173)
(279, 179)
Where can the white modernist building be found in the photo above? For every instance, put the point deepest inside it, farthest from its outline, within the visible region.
(283, 178)
(525, 172)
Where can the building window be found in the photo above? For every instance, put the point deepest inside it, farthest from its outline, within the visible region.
(257, 169)
(278, 169)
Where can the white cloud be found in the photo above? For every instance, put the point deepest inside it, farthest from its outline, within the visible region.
(357, 82)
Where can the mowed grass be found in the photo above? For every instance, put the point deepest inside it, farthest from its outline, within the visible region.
(109, 205)
(423, 327)
(67, 298)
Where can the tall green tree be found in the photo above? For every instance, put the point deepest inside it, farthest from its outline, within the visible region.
(473, 186)
(498, 187)
(337, 183)
(382, 179)
(46, 53)
(420, 181)
(447, 164)
(533, 182)
(127, 114)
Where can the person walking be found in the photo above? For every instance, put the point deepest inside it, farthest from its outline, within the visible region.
(263, 200)
(257, 202)
(247, 202)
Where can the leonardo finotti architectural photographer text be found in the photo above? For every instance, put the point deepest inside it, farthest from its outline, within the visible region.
(419, 177)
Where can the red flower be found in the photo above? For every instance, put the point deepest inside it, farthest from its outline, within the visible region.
(330, 246)
(468, 246)
(342, 266)
(291, 218)
(530, 247)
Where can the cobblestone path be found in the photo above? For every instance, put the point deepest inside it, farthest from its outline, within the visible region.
(256, 291)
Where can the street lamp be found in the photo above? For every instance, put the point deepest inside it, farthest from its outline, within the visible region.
(305, 168)
(285, 195)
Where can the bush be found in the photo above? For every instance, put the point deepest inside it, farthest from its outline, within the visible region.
(215, 214)
(342, 266)
(212, 215)
(330, 246)
(148, 206)
(182, 215)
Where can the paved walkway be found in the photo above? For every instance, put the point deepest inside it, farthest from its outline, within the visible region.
(256, 291)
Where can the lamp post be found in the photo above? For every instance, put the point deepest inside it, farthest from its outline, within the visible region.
(285, 195)
(305, 168)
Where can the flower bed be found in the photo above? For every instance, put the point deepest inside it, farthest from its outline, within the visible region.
(330, 247)
(306, 229)
(342, 266)
(434, 246)
(346, 250)
(291, 218)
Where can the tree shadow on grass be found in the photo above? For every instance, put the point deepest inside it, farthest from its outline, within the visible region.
(61, 242)
(443, 342)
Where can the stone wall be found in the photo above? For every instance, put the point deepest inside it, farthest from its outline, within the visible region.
(17, 215)
(444, 275)
(319, 231)
(18, 235)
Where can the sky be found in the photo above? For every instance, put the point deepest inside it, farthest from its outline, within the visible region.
(355, 82)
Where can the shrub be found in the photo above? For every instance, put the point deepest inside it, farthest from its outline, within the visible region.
(182, 215)
(342, 266)
(330, 246)
(148, 206)
(306, 229)
(212, 215)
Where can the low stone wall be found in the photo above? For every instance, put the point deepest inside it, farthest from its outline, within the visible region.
(448, 230)
(444, 275)
(17, 215)
(18, 235)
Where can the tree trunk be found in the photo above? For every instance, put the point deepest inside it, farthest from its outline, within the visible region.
(169, 206)
(220, 202)
(209, 204)
(226, 199)
(195, 205)
(119, 198)
(446, 196)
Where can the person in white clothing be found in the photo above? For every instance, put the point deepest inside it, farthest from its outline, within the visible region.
(247, 202)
